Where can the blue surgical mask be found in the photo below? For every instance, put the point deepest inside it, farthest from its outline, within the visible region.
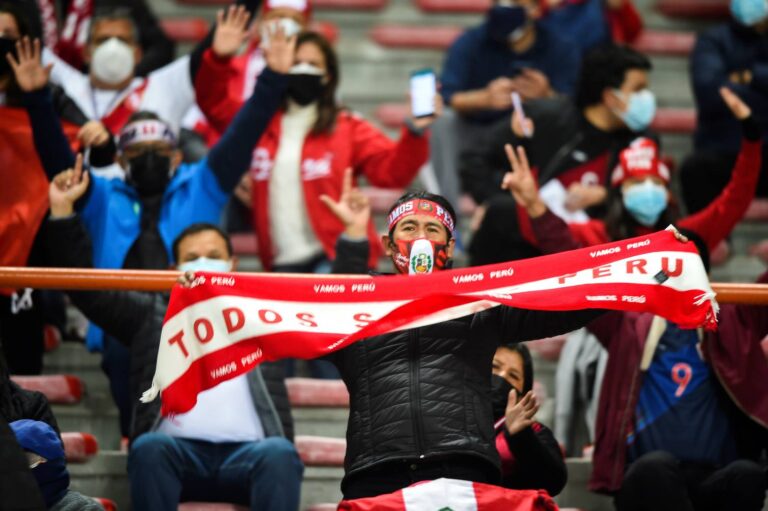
(749, 12)
(646, 202)
(206, 264)
(641, 109)
(505, 23)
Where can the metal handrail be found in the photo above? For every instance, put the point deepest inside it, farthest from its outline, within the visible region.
(156, 280)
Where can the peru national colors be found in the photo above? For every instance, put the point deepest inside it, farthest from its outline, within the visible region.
(226, 324)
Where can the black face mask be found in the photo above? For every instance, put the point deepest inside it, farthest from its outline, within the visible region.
(149, 172)
(500, 389)
(305, 88)
(7, 45)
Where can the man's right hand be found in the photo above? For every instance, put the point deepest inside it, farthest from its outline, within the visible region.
(281, 53)
(499, 93)
(231, 30)
(521, 182)
(66, 188)
(352, 208)
(28, 69)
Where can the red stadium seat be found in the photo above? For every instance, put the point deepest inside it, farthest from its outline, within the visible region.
(668, 120)
(244, 244)
(51, 338)
(415, 36)
(381, 198)
(321, 451)
(79, 447)
(58, 388)
(185, 30)
(210, 506)
(548, 349)
(327, 29)
(454, 6)
(315, 392)
(665, 43)
(107, 504)
(350, 5)
(322, 507)
(701, 9)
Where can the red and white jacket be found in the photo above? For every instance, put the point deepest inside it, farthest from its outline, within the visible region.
(353, 143)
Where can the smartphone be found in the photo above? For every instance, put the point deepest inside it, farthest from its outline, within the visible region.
(517, 104)
(423, 90)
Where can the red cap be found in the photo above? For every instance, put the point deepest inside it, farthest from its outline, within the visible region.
(639, 160)
(302, 6)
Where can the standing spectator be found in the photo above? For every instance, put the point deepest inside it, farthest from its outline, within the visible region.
(733, 55)
(530, 456)
(235, 443)
(512, 51)
(590, 23)
(612, 106)
(134, 223)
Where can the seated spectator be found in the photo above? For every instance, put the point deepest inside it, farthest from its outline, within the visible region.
(590, 23)
(18, 488)
(511, 51)
(530, 456)
(640, 201)
(678, 425)
(304, 153)
(17, 403)
(45, 453)
(612, 106)
(134, 223)
(235, 444)
(728, 55)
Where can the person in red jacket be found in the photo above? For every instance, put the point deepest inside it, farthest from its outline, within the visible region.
(305, 151)
(531, 459)
(640, 201)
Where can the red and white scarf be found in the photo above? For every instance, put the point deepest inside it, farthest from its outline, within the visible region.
(226, 324)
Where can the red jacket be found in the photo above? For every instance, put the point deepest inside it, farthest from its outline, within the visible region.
(733, 351)
(713, 223)
(353, 143)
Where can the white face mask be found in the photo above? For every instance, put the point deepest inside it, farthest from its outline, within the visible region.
(289, 26)
(206, 264)
(113, 61)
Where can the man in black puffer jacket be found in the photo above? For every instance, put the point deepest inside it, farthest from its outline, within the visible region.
(420, 404)
(228, 447)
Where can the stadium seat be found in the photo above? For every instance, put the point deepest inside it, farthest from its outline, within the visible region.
(322, 507)
(244, 244)
(51, 338)
(79, 447)
(185, 30)
(210, 506)
(321, 451)
(668, 120)
(60, 389)
(107, 504)
(758, 210)
(454, 6)
(346, 5)
(701, 9)
(311, 392)
(548, 349)
(673, 44)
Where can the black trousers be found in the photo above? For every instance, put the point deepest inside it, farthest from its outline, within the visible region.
(392, 476)
(659, 482)
(21, 332)
(704, 174)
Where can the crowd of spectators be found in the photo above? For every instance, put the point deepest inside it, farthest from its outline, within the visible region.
(116, 153)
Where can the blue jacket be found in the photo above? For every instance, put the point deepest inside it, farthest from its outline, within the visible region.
(111, 209)
(474, 60)
(719, 52)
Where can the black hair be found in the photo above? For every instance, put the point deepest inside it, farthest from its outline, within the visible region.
(438, 199)
(111, 13)
(606, 67)
(143, 115)
(327, 106)
(196, 229)
(18, 14)
(699, 243)
(525, 354)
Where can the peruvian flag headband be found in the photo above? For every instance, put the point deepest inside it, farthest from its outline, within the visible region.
(420, 207)
(226, 324)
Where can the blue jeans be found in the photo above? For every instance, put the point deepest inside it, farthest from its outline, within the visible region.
(164, 471)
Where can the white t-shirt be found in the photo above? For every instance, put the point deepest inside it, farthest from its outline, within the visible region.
(224, 413)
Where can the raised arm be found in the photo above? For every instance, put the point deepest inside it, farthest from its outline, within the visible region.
(354, 211)
(231, 157)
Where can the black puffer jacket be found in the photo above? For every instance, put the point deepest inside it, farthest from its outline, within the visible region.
(424, 393)
(136, 319)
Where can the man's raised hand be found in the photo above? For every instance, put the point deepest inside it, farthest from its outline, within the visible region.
(27, 65)
(521, 182)
(352, 208)
(520, 413)
(66, 188)
(281, 53)
(231, 30)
